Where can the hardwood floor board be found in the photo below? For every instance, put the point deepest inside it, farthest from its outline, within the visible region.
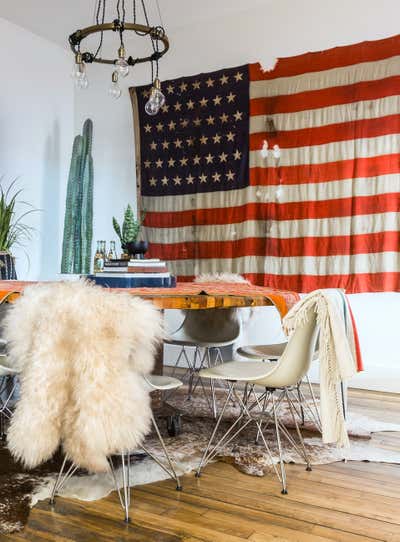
(356, 470)
(263, 516)
(89, 524)
(322, 495)
(279, 504)
(182, 526)
(33, 535)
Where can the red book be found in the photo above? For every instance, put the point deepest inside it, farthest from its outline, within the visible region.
(147, 269)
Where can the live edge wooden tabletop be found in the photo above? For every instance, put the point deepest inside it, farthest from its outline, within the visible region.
(192, 296)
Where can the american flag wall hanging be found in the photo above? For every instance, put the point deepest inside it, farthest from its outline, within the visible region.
(290, 177)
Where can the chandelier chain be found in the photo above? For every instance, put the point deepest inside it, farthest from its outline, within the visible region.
(101, 3)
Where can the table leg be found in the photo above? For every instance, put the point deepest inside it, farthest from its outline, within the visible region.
(156, 396)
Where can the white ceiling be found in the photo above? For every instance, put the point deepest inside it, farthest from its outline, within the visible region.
(57, 19)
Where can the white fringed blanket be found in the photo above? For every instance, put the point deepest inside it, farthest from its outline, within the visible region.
(338, 354)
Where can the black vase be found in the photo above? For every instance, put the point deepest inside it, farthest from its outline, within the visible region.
(136, 249)
(7, 266)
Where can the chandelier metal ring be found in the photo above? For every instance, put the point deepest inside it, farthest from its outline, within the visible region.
(154, 32)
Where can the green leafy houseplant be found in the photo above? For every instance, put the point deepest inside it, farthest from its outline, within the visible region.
(13, 231)
(129, 233)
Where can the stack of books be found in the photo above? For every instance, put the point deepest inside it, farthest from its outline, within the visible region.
(146, 273)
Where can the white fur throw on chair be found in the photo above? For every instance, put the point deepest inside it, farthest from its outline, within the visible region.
(82, 350)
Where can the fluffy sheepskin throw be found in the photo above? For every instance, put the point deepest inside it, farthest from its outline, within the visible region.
(82, 350)
(221, 277)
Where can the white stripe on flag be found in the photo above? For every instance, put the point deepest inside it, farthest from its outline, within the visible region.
(314, 118)
(331, 152)
(306, 265)
(284, 229)
(335, 77)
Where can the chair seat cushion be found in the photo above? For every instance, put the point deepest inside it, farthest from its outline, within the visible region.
(181, 339)
(263, 351)
(161, 382)
(238, 371)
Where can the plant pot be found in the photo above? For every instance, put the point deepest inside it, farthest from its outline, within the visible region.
(136, 249)
(7, 266)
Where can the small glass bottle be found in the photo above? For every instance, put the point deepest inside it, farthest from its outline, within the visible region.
(104, 251)
(112, 255)
(98, 263)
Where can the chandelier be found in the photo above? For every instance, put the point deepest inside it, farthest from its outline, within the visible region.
(123, 62)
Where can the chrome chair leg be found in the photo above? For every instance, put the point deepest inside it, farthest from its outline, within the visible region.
(62, 479)
(171, 470)
(300, 436)
(218, 422)
(278, 439)
(124, 495)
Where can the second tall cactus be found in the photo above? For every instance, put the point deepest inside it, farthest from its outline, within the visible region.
(78, 222)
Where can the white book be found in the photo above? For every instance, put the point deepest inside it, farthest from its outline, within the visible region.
(146, 262)
(135, 275)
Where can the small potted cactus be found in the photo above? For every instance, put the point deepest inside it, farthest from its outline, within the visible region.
(129, 234)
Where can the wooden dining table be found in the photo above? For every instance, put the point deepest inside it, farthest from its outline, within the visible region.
(191, 296)
(187, 296)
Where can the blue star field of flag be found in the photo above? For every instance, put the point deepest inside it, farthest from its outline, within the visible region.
(198, 141)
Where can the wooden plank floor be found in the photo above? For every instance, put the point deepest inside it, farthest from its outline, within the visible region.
(354, 502)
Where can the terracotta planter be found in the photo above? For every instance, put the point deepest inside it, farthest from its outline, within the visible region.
(7, 266)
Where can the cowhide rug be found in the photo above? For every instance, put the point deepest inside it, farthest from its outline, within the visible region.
(20, 490)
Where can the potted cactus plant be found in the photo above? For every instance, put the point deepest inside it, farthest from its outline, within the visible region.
(129, 234)
(13, 232)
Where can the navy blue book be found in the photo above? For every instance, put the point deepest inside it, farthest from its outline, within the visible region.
(110, 281)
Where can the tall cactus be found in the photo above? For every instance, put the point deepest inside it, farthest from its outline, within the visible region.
(78, 222)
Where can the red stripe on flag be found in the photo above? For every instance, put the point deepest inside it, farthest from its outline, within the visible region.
(326, 97)
(362, 282)
(329, 171)
(298, 246)
(328, 134)
(198, 217)
(360, 205)
(366, 51)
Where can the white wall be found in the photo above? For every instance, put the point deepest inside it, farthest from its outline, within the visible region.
(281, 28)
(36, 126)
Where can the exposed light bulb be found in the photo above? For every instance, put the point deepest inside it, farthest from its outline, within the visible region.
(82, 82)
(122, 67)
(121, 64)
(114, 91)
(151, 108)
(156, 99)
(79, 69)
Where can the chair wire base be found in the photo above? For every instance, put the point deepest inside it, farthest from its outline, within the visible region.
(256, 411)
(5, 411)
(201, 360)
(123, 487)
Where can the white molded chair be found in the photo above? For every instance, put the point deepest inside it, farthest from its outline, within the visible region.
(207, 331)
(153, 383)
(272, 352)
(278, 379)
